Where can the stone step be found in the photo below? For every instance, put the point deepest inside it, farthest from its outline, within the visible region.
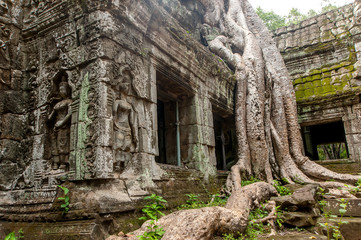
(73, 230)
(350, 230)
(353, 207)
(294, 236)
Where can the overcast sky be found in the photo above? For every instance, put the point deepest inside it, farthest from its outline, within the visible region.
(282, 7)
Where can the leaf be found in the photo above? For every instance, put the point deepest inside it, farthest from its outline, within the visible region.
(342, 211)
(10, 236)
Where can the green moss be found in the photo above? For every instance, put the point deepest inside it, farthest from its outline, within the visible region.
(307, 79)
(308, 85)
(317, 83)
(315, 71)
(319, 91)
(326, 74)
(326, 81)
(327, 88)
(309, 92)
(83, 123)
(316, 77)
(297, 81)
(299, 95)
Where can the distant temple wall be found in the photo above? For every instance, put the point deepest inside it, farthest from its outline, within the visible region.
(323, 57)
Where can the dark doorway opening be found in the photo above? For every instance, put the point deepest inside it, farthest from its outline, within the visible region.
(225, 142)
(325, 141)
(171, 94)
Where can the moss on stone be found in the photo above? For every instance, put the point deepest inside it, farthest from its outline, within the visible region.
(308, 85)
(325, 81)
(316, 77)
(317, 83)
(299, 95)
(309, 93)
(297, 81)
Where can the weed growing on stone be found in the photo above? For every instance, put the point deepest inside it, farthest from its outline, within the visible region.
(65, 199)
(282, 190)
(153, 213)
(250, 181)
(194, 202)
(14, 236)
(334, 228)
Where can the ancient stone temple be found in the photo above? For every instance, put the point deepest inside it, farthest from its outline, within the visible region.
(112, 99)
(117, 99)
(322, 55)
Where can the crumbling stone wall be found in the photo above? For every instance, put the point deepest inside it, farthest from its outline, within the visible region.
(78, 101)
(322, 55)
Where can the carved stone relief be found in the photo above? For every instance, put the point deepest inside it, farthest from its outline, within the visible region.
(125, 119)
(59, 118)
(4, 44)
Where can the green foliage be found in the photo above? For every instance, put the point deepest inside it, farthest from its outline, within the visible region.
(153, 210)
(14, 236)
(274, 21)
(334, 228)
(282, 190)
(295, 16)
(214, 200)
(154, 232)
(153, 213)
(192, 198)
(65, 199)
(332, 151)
(250, 181)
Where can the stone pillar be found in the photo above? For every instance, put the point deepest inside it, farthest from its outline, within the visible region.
(352, 124)
(197, 134)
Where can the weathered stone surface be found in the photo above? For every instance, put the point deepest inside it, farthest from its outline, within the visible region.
(304, 197)
(79, 90)
(350, 231)
(300, 219)
(294, 236)
(83, 230)
(353, 207)
(322, 56)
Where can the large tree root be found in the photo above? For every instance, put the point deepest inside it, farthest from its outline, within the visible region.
(204, 223)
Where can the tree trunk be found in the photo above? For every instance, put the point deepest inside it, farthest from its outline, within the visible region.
(269, 139)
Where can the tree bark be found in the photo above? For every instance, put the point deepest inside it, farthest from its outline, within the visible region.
(268, 134)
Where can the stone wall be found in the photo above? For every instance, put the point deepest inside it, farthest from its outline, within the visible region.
(80, 81)
(322, 55)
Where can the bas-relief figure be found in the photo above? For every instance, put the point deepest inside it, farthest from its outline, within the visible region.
(125, 121)
(60, 138)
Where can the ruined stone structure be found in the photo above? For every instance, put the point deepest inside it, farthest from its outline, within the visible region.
(322, 55)
(116, 99)
(112, 98)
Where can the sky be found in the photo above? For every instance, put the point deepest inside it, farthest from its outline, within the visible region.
(282, 7)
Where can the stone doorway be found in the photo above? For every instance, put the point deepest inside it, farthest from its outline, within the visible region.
(325, 141)
(225, 141)
(172, 94)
